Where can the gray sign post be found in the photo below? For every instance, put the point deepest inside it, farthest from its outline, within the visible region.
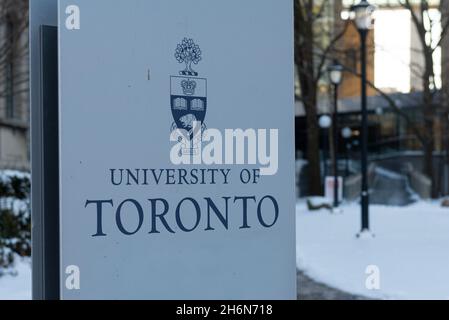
(44, 148)
(176, 152)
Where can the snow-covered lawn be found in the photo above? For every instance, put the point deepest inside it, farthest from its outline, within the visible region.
(410, 248)
(17, 287)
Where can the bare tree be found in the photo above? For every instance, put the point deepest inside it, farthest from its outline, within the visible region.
(444, 9)
(425, 26)
(315, 42)
(423, 127)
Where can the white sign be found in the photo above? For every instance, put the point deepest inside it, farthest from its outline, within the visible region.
(176, 149)
(329, 191)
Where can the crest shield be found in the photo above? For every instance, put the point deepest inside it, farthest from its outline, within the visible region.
(188, 101)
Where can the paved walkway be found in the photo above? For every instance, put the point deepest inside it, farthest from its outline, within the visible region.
(308, 289)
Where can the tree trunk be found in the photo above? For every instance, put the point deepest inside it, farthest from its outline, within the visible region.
(305, 62)
(429, 146)
(429, 119)
(444, 9)
(313, 149)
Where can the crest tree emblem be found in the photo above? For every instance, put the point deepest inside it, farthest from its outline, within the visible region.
(188, 52)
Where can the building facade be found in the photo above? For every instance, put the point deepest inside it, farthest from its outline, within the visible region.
(14, 85)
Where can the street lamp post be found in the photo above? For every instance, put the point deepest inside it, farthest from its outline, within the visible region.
(346, 133)
(363, 18)
(325, 123)
(336, 77)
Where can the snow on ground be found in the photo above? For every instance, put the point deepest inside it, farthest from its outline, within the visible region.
(17, 287)
(7, 174)
(411, 249)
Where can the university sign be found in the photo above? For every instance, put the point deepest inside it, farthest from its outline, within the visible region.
(208, 213)
(175, 153)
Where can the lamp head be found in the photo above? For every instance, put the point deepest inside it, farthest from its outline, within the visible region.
(346, 133)
(335, 73)
(363, 15)
(325, 122)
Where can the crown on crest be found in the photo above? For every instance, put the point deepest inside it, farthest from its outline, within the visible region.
(188, 87)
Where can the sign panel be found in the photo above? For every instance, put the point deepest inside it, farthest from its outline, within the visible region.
(176, 149)
(329, 190)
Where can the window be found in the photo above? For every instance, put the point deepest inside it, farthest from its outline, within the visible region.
(9, 70)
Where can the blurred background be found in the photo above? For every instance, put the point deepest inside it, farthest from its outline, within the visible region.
(372, 146)
(372, 149)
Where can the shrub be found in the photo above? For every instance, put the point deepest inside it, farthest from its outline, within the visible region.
(15, 218)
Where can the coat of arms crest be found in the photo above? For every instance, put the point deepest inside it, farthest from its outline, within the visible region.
(188, 96)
